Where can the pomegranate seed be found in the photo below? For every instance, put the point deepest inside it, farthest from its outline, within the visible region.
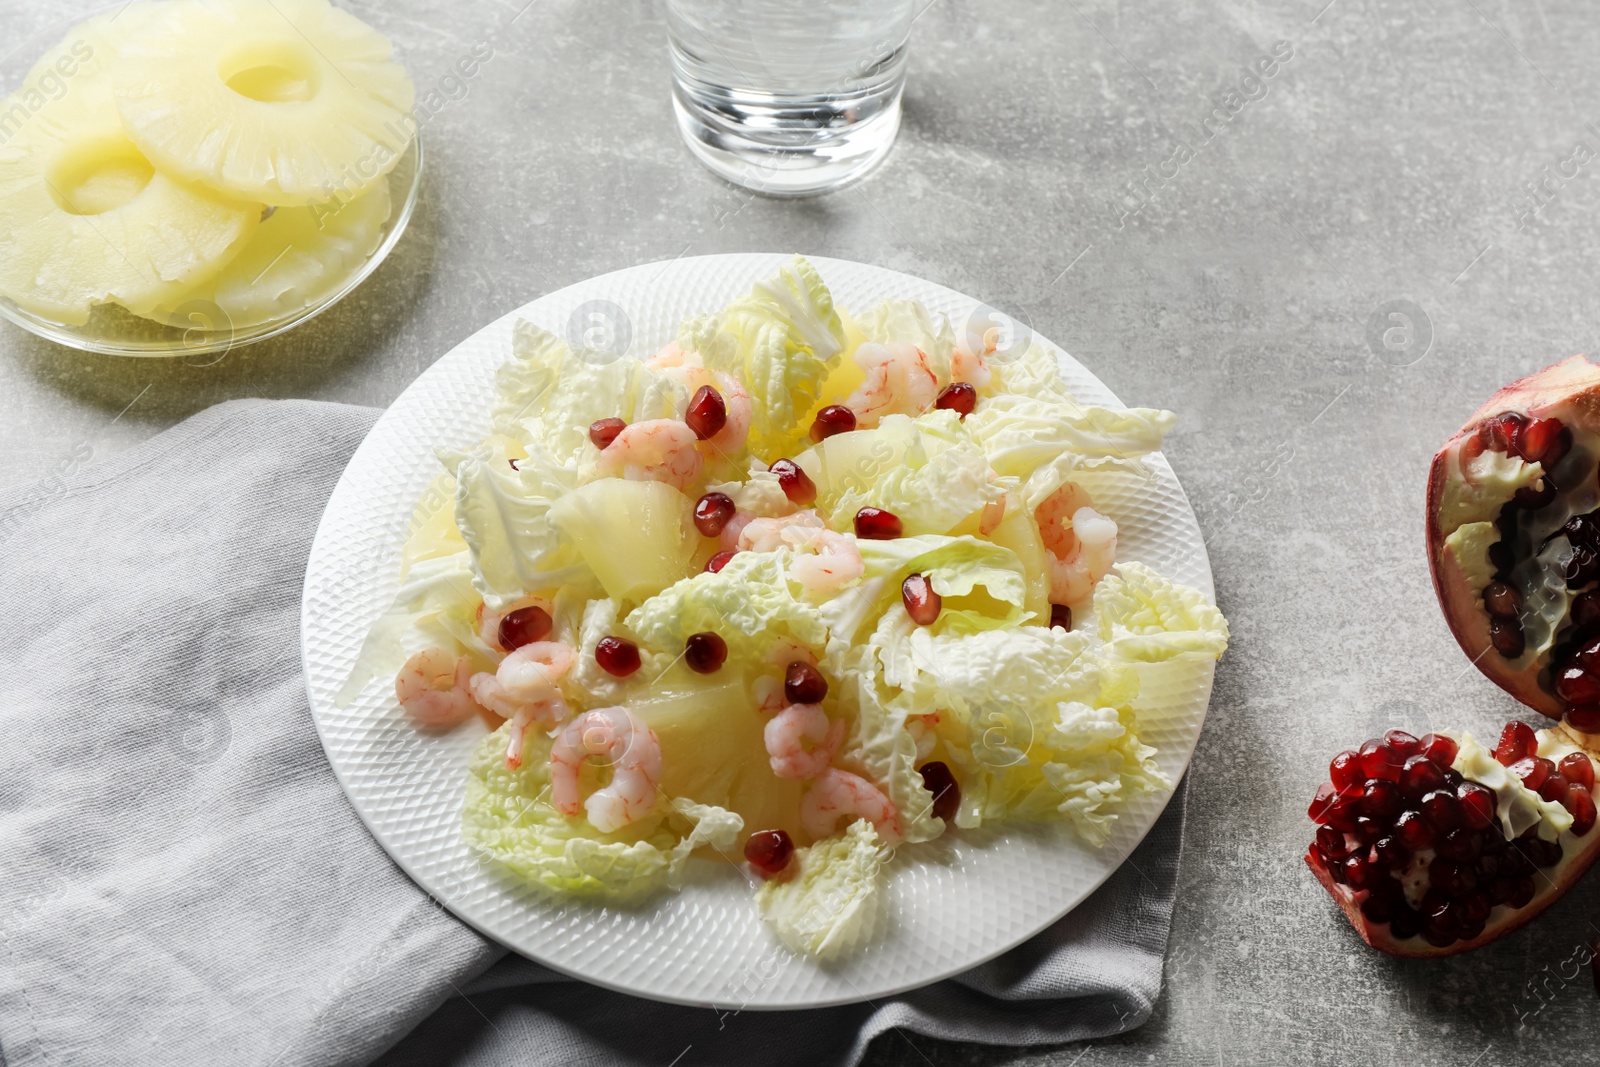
(1341, 814)
(1356, 872)
(958, 397)
(1405, 924)
(875, 524)
(617, 656)
(1439, 748)
(1507, 637)
(705, 652)
(1534, 439)
(1369, 829)
(706, 414)
(1588, 656)
(1533, 770)
(712, 512)
(833, 419)
(1498, 432)
(1580, 802)
(1322, 803)
(1450, 877)
(1401, 743)
(1378, 761)
(795, 483)
(1502, 600)
(1332, 843)
(1345, 772)
(1415, 831)
(937, 779)
(523, 626)
(1577, 686)
(1443, 810)
(1500, 557)
(1553, 789)
(1585, 718)
(1575, 767)
(1391, 852)
(1477, 805)
(1517, 741)
(1523, 893)
(1378, 907)
(1060, 616)
(720, 560)
(1419, 777)
(1459, 846)
(769, 851)
(603, 432)
(1381, 800)
(1586, 608)
(803, 683)
(922, 603)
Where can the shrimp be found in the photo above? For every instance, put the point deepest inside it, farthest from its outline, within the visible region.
(687, 370)
(728, 540)
(432, 688)
(1081, 541)
(670, 355)
(768, 535)
(489, 621)
(836, 564)
(524, 690)
(966, 359)
(994, 513)
(634, 753)
(922, 730)
(899, 382)
(661, 450)
(787, 732)
(837, 793)
(768, 689)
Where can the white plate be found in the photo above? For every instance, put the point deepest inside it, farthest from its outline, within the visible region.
(946, 907)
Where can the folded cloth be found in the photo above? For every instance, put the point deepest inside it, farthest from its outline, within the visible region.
(183, 881)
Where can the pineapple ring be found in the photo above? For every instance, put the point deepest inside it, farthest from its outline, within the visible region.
(84, 217)
(288, 102)
(298, 256)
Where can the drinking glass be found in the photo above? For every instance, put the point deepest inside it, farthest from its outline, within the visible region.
(789, 97)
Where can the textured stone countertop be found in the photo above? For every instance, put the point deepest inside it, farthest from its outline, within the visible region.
(1395, 156)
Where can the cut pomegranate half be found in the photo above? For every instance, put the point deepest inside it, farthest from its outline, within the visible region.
(1514, 537)
(1436, 845)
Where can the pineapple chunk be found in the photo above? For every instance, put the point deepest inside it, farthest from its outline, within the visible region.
(637, 537)
(289, 102)
(298, 257)
(84, 216)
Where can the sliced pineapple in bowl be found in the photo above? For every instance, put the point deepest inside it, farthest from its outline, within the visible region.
(287, 102)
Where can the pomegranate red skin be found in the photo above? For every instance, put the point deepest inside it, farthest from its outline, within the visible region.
(1570, 391)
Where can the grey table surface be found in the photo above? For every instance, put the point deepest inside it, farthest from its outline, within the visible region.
(1053, 163)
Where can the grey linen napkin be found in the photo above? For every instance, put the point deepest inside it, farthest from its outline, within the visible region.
(183, 882)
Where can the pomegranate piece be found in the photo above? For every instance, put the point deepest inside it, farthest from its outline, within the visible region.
(604, 431)
(720, 560)
(937, 779)
(959, 397)
(707, 414)
(803, 683)
(795, 483)
(1524, 529)
(705, 653)
(1584, 718)
(922, 603)
(523, 626)
(712, 512)
(617, 656)
(769, 851)
(833, 419)
(1420, 863)
(875, 524)
(1060, 617)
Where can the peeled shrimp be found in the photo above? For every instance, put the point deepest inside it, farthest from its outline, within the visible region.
(669, 355)
(966, 359)
(836, 563)
(489, 621)
(634, 754)
(1081, 541)
(735, 401)
(768, 535)
(432, 688)
(836, 794)
(768, 689)
(661, 450)
(787, 733)
(899, 382)
(524, 690)
(994, 513)
(921, 728)
(728, 540)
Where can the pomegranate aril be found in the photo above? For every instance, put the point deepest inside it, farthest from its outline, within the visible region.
(1535, 439)
(875, 524)
(1368, 829)
(1379, 761)
(1451, 877)
(705, 652)
(1343, 814)
(1060, 617)
(795, 483)
(1405, 923)
(1507, 637)
(1585, 610)
(1442, 810)
(1588, 657)
(1500, 558)
(720, 560)
(1381, 800)
(1416, 833)
(1585, 718)
(1577, 686)
(1401, 743)
(1419, 777)
(1533, 771)
(617, 656)
(1553, 789)
(712, 512)
(922, 603)
(958, 397)
(1345, 772)
(1575, 767)
(1497, 433)
(769, 851)
(1437, 747)
(1378, 908)
(1356, 871)
(1459, 846)
(1477, 805)
(1517, 741)
(1501, 889)
(523, 626)
(803, 683)
(604, 431)
(707, 413)
(937, 779)
(1390, 852)
(1332, 843)
(1580, 802)
(1502, 600)
(1523, 893)
(1322, 803)
(833, 419)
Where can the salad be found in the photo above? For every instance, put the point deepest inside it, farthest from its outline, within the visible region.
(801, 591)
